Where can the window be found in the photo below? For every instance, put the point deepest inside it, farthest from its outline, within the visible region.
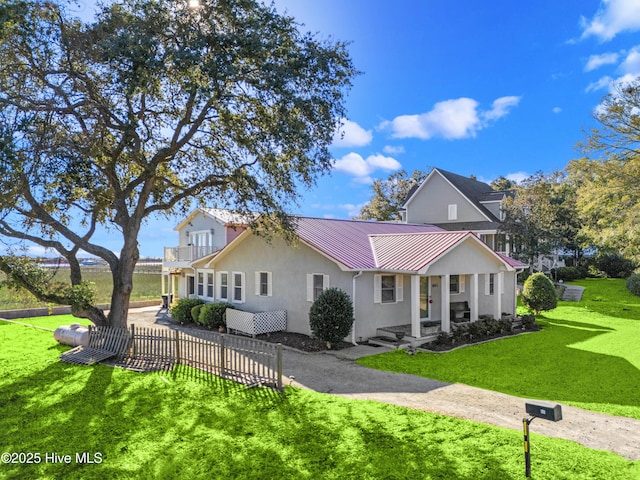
(316, 284)
(456, 284)
(453, 212)
(263, 284)
(223, 285)
(501, 242)
(238, 287)
(387, 288)
(489, 283)
(200, 284)
(210, 285)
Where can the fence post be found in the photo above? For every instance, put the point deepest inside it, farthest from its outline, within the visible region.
(223, 357)
(177, 341)
(279, 366)
(133, 340)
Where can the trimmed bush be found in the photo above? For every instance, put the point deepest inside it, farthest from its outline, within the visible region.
(181, 309)
(331, 316)
(633, 284)
(614, 265)
(195, 313)
(214, 315)
(539, 293)
(569, 273)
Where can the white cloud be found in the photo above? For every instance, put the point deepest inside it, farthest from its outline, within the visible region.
(600, 84)
(613, 17)
(517, 177)
(361, 168)
(597, 61)
(352, 210)
(631, 64)
(393, 150)
(501, 107)
(450, 119)
(350, 134)
(556, 110)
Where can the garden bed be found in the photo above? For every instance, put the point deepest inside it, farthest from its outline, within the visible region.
(479, 332)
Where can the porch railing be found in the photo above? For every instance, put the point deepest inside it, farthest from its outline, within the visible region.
(187, 254)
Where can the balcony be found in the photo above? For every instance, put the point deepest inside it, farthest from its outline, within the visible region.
(183, 256)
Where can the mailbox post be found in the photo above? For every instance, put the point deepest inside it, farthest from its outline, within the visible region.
(546, 412)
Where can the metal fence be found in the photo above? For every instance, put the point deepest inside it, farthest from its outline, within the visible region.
(244, 360)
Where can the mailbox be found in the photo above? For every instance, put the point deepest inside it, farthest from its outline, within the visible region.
(546, 412)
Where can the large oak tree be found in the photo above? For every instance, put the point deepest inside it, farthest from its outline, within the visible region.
(150, 106)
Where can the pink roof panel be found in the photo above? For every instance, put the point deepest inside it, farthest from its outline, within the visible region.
(347, 241)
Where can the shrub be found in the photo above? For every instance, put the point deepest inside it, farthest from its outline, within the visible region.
(633, 284)
(614, 265)
(539, 294)
(569, 273)
(331, 316)
(181, 310)
(195, 313)
(529, 322)
(214, 315)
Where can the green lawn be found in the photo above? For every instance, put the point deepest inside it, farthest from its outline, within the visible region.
(146, 285)
(587, 355)
(192, 426)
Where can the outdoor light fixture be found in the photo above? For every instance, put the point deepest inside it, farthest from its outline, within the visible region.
(546, 412)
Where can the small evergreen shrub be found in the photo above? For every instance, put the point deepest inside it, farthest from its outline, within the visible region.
(539, 293)
(529, 322)
(214, 315)
(331, 316)
(614, 265)
(181, 309)
(567, 274)
(633, 284)
(195, 313)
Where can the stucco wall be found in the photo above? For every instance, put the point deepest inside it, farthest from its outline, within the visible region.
(203, 223)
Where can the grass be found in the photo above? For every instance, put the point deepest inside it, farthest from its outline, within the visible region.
(146, 285)
(190, 426)
(586, 355)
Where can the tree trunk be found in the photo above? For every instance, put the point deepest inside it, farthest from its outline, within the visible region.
(122, 274)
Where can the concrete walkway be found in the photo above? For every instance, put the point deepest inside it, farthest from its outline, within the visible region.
(572, 293)
(337, 373)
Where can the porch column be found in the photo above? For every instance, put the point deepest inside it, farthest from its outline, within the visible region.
(445, 306)
(497, 296)
(474, 298)
(416, 331)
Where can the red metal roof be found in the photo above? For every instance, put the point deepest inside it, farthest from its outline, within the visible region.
(414, 251)
(347, 241)
(360, 245)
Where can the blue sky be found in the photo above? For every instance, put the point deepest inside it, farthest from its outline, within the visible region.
(484, 88)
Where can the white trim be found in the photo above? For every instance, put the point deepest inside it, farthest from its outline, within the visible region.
(258, 284)
(310, 287)
(242, 286)
(219, 286)
(398, 288)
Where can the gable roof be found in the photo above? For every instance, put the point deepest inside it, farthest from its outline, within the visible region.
(475, 191)
(225, 217)
(347, 241)
(376, 246)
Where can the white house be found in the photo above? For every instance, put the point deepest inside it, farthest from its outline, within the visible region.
(397, 274)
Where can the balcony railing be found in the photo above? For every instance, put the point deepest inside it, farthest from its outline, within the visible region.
(187, 254)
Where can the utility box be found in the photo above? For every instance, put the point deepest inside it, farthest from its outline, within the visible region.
(546, 412)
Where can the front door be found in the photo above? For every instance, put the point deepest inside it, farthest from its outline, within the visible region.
(425, 295)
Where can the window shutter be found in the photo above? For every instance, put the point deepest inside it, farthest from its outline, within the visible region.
(243, 287)
(269, 284)
(309, 287)
(377, 289)
(461, 282)
(257, 278)
(325, 282)
(399, 288)
(487, 284)
(218, 285)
